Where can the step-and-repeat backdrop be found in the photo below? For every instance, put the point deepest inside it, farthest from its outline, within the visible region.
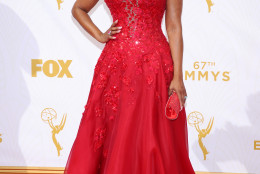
(47, 62)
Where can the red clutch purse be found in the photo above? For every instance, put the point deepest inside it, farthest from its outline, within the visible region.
(172, 107)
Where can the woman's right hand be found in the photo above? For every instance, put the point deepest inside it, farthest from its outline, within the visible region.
(105, 37)
(178, 86)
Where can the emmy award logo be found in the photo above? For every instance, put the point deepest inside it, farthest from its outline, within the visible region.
(210, 4)
(47, 115)
(1, 138)
(59, 2)
(195, 119)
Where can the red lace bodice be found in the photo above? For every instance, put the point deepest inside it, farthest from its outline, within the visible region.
(141, 25)
(141, 19)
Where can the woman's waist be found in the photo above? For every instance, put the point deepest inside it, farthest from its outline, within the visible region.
(138, 44)
(139, 36)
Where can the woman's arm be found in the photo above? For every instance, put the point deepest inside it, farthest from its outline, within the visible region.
(174, 31)
(80, 11)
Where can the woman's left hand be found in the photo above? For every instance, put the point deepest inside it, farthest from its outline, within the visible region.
(177, 85)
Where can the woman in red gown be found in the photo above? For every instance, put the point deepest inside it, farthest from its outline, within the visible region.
(123, 129)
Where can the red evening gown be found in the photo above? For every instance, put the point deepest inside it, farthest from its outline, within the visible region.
(123, 129)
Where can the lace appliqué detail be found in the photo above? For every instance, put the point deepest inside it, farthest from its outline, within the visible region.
(149, 79)
(103, 80)
(132, 11)
(99, 112)
(138, 64)
(99, 136)
(126, 80)
(111, 97)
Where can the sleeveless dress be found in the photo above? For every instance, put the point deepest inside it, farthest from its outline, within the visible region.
(123, 129)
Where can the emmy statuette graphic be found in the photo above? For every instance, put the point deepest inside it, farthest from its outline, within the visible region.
(194, 119)
(210, 4)
(59, 2)
(47, 115)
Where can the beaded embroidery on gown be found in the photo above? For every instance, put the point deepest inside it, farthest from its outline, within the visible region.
(123, 129)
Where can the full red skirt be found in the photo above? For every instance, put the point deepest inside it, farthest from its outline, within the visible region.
(124, 129)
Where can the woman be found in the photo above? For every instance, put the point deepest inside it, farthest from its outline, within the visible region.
(123, 129)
